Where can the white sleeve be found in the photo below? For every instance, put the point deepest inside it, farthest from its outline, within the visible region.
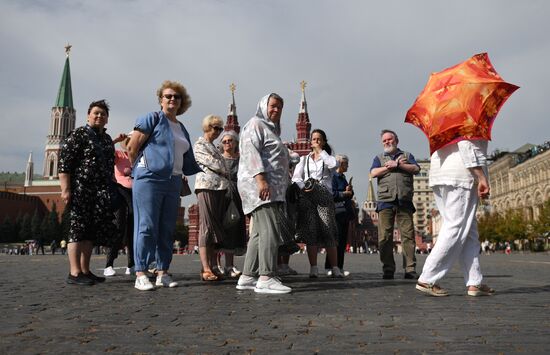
(473, 153)
(298, 176)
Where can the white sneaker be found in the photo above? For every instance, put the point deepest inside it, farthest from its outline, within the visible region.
(313, 272)
(246, 283)
(329, 273)
(345, 273)
(165, 281)
(109, 271)
(273, 285)
(143, 283)
(129, 271)
(233, 272)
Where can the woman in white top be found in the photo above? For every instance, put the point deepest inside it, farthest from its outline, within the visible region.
(316, 223)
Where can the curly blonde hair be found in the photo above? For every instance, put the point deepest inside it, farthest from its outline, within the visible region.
(180, 89)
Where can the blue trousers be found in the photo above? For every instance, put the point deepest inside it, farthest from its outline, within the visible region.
(156, 205)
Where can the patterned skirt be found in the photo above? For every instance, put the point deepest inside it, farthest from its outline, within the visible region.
(316, 221)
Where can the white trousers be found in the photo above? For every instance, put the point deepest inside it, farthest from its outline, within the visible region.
(458, 238)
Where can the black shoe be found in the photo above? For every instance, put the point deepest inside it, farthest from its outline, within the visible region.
(411, 275)
(388, 276)
(94, 278)
(80, 279)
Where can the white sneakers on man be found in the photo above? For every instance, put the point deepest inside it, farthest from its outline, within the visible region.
(143, 283)
(165, 281)
(129, 270)
(273, 286)
(109, 271)
(246, 283)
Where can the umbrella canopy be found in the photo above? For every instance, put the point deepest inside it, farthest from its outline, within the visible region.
(460, 102)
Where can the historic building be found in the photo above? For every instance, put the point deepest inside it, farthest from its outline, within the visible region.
(520, 179)
(423, 199)
(368, 218)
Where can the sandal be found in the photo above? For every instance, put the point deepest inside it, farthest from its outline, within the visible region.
(431, 289)
(480, 290)
(208, 276)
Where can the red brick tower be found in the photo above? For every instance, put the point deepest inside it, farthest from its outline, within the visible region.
(302, 145)
(232, 123)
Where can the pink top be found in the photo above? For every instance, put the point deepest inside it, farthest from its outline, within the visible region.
(123, 169)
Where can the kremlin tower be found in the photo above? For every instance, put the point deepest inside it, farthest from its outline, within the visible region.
(63, 118)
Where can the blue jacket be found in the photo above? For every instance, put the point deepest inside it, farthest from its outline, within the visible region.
(158, 149)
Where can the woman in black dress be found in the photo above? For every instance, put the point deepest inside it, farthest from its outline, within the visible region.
(86, 176)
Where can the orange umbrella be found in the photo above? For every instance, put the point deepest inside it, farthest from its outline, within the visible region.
(460, 102)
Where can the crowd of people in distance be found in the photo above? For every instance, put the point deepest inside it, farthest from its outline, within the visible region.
(129, 197)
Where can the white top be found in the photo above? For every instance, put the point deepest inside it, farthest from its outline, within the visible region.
(316, 170)
(449, 165)
(181, 146)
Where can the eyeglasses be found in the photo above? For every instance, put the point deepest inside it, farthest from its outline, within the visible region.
(170, 96)
(217, 128)
(227, 142)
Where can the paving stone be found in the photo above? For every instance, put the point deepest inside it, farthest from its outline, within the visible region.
(361, 314)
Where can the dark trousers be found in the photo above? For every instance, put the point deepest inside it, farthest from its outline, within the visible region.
(125, 224)
(342, 222)
(386, 220)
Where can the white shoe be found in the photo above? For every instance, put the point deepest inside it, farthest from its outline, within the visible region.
(165, 281)
(273, 286)
(109, 271)
(143, 283)
(329, 273)
(313, 272)
(233, 272)
(345, 273)
(129, 271)
(246, 283)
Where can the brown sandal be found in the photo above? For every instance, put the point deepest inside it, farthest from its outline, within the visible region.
(431, 289)
(208, 276)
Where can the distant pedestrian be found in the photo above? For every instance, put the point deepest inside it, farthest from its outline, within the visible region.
(394, 169)
(40, 245)
(458, 178)
(53, 246)
(63, 246)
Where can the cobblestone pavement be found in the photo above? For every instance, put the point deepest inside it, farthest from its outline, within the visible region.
(361, 314)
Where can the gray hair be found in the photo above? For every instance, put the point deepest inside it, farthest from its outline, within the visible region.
(384, 131)
(277, 97)
(341, 158)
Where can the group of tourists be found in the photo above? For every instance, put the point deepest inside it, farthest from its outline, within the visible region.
(130, 197)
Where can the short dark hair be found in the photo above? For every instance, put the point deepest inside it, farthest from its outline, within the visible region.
(101, 104)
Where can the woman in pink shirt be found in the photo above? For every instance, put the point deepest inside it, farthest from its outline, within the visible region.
(124, 213)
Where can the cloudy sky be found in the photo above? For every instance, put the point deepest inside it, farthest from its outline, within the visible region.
(365, 62)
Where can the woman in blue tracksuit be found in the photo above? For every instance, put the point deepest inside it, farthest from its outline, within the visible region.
(161, 153)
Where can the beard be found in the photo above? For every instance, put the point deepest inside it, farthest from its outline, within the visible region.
(390, 149)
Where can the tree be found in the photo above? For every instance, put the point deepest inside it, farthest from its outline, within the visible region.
(182, 234)
(7, 231)
(542, 225)
(51, 227)
(36, 225)
(25, 232)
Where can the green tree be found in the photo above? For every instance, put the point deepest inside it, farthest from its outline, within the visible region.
(25, 232)
(7, 231)
(36, 225)
(182, 234)
(51, 227)
(542, 225)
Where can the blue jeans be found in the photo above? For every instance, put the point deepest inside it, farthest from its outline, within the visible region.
(156, 205)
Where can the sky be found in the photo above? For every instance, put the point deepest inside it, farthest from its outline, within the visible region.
(365, 63)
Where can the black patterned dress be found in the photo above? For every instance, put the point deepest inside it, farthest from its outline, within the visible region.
(87, 154)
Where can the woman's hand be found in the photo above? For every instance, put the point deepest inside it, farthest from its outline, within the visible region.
(120, 138)
(263, 187)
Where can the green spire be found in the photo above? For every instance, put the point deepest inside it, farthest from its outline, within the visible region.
(65, 94)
